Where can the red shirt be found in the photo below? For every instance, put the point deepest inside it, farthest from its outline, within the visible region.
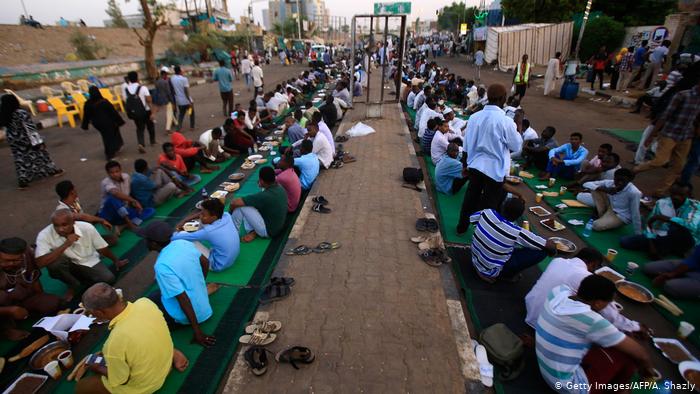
(289, 180)
(183, 146)
(178, 163)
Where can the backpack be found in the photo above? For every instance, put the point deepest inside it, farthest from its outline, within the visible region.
(504, 349)
(134, 106)
(412, 175)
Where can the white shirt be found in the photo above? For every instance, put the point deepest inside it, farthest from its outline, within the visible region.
(479, 58)
(490, 138)
(206, 139)
(569, 272)
(625, 203)
(143, 93)
(419, 100)
(274, 103)
(323, 150)
(282, 97)
(438, 147)
(245, 66)
(257, 73)
(457, 126)
(323, 129)
(82, 252)
(529, 134)
(411, 99)
(424, 118)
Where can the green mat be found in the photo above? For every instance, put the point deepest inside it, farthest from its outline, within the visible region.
(449, 208)
(634, 136)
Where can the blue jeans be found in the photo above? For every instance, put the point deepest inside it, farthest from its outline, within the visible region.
(191, 181)
(693, 161)
(251, 219)
(520, 260)
(561, 170)
(114, 211)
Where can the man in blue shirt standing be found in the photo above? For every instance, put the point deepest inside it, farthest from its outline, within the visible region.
(566, 160)
(216, 228)
(180, 270)
(224, 76)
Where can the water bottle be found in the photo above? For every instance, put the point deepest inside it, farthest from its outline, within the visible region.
(250, 151)
(205, 195)
(589, 228)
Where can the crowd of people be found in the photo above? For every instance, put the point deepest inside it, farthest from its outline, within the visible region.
(480, 153)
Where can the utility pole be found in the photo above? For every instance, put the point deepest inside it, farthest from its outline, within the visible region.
(24, 7)
(583, 27)
(299, 18)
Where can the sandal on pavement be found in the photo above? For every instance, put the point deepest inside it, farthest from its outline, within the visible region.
(320, 200)
(256, 358)
(337, 164)
(300, 250)
(274, 293)
(328, 245)
(282, 281)
(267, 326)
(349, 159)
(294, 355)
(320, 209)
(434, 257)
(257, 338)
(419, 239)
(426, 224)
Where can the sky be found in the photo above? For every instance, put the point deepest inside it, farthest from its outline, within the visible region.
(92, 11)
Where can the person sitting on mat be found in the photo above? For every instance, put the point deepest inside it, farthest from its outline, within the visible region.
(217, 229)
(450, 173)
(575, 345)
(68, 199)
(212, 142)
(175, 164)
(118, 207)
(308, 165)
(138, 353)
(570, 272)
(494, 254)
(442, 138)
(679, 278)
(595, 165)
(536, 152)
(673, 226)
(180, 272)
(21, 293)
(292, 128)
(321, 147)
(609, 165)
(237, 140)
(263, 214)
(616, 202)
(153, 188)
(566, 160)
(191, 153)
(287, 177)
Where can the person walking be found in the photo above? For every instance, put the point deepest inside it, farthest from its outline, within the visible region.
(224, 77)
(137, 102)
(626, 69)
(478, 62)
(521, 79)
(598, 61)
(106, 120)
(490, 138)
(246, 67)
(258, 78)
(553, 74)
(32, 160)
(164, 98)
(183, 98)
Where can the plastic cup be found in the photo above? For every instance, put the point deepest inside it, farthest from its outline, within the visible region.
(612, 253)
(538, 197)
(551, 182)
(526, 225)
(66, 359)
(685, 329)
(562, 190)
(632, 267)
(53, 368)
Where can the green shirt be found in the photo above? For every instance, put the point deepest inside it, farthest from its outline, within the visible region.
(272, 205)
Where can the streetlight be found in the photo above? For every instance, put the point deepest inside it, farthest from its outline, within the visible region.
(583, 27)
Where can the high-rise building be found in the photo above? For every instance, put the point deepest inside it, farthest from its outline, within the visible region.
(313, 10)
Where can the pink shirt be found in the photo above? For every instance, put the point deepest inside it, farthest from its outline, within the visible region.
(290, 182)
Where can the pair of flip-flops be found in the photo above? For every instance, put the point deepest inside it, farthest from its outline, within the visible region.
(320, 203)
(341, 138)
(427, 224)
(434, 257)
(336, 164)
(278, 289)
(303, 250)
(256, 358)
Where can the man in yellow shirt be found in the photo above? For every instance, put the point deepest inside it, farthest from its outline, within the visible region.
(139, 352)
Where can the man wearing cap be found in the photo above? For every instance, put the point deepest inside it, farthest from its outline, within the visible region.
(180, 271)
(456, 124)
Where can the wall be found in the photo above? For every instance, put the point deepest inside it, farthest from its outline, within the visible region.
(635, 34)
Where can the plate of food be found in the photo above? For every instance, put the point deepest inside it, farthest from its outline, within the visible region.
(564, 245)
(690, 370)
(248, 165)
(47, 354)
(27, 383)
(609, 273)
(634, 291)
(552, 225)
(260, 161)
(219, 194)
(253, 157)
(673, 350)
(514, 180)
(232, 187)
(264, 148)
(236, 176)
(539, 211)
(191, 227)
(525, 174)
(550, 194)
(573, 203)
(269, 138)
(278, 132)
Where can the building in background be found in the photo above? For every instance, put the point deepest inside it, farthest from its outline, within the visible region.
(313, 10)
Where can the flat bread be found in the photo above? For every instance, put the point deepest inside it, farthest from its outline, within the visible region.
(574, 203)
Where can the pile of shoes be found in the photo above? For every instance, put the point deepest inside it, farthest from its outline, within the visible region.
(431, 249)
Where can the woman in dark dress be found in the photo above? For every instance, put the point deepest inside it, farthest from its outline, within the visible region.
(32, 160)
(106, 120)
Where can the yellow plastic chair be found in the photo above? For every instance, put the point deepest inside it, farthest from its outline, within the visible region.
(69, 87)
(80, 103)
(69, 111)
(107, 95)
(118, 97)
(48, 92)
(23, 102)
(83, 84)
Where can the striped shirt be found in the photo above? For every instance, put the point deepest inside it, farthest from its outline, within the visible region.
(427, 140)
(565, 331)
(494, 239)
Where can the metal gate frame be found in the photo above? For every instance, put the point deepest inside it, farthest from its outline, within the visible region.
(400, 45)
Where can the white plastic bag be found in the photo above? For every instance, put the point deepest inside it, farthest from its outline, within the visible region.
(359, 130)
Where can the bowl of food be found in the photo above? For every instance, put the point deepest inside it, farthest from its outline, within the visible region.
(232, 187)
(47, 354)
(248, 165)
(236, 176)
(610, 274)
(690, 370)
(564, 245)
(634, 291)
(254, 157)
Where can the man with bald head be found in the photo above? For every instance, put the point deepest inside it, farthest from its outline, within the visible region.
(71, 252)
(138, 354)
(490, 138)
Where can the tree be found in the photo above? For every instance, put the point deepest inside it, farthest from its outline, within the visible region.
(527, 11)
(290, 28)
(115, 13)
(600, 31)
(637, 12)
(153, 19)
(450, 17)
